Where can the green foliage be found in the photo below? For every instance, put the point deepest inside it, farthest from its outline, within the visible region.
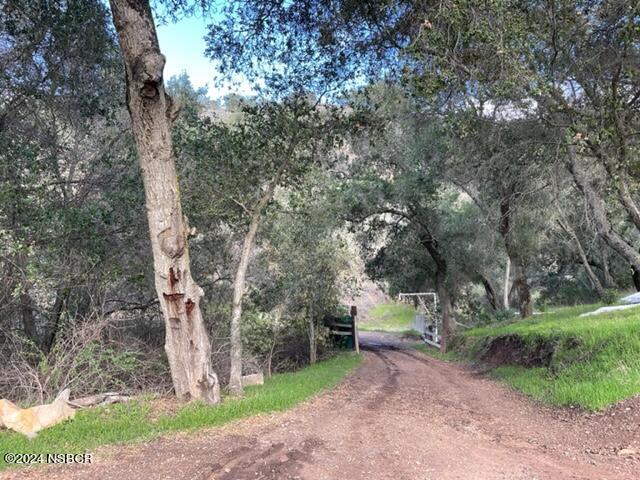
(610, 296)
(435, 353)
(487, 315)
(131, 422)
(72, 228)
(468, 160)
(259, 331)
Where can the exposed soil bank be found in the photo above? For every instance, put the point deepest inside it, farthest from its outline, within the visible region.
(513, 350)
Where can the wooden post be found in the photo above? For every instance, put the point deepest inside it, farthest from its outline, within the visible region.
(354, 315)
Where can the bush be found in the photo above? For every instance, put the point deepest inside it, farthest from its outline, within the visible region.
(89, 356)
(609, 296)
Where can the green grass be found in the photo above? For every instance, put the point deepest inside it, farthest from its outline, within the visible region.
(391, 317)
(436, 353)
(596, 360)
(130, 422)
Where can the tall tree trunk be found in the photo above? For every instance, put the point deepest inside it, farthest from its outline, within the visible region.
(520, 281)
(609, 282)
(53, 320)
(507, 287)
(186, 340)
(235, 372)
(446, 308)
(593, 278)
(598, 212)
(313, 343)
(490, 292)
(521, 284)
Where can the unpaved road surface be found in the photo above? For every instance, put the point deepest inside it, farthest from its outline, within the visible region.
(400, 416)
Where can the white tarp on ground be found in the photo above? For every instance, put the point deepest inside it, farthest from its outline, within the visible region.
(632, 299)
(610, 309)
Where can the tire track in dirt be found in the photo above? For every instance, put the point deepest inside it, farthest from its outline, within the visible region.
(274, 463)
(389, 385)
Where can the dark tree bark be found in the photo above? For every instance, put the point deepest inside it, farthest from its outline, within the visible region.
(635, 275)
(593, 278)
(186, 339)
(518, 265)
(448, 321)
(608, 280)
(53, 322)
(490, 292)
(618, 177)
(28, 319)
(598, 212)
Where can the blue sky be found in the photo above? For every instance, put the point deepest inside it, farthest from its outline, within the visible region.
(183, 45)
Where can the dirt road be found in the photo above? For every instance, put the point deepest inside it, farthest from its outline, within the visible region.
(400, 416)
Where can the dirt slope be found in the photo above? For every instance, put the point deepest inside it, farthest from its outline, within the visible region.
(401, 416)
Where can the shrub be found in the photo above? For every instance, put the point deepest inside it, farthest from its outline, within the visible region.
(88, 356)
(609, 296)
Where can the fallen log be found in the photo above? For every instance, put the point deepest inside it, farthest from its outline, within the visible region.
(253, 379)
(98, 400)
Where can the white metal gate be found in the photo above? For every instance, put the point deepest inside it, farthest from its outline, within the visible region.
(427, 321)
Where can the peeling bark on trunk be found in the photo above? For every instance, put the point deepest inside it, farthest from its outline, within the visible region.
(598, 212)
(186, 339)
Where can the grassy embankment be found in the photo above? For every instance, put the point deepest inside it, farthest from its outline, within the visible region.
(132, 421)
(558, 357)
(594, 360)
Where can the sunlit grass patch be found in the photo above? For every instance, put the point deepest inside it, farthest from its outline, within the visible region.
(389, 317)
(434, 352)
